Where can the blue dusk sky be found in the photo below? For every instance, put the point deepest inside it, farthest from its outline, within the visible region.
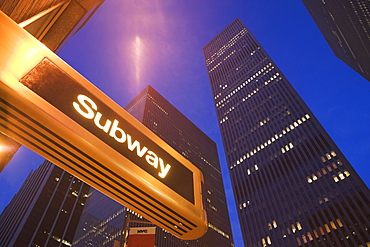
(129, 44)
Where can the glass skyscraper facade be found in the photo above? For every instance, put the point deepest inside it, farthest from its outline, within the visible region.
(46, 209)
(292, 185)
(346, 27)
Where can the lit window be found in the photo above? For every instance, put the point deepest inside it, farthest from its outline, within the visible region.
(339, 223)
(328, 156)
(314, 177)
(274, 223)
(299, 227)
(333, 153)
(304, 238)
(333, 225)
(347, 173)
(309, 180)
(268, 239)
(323, 159)
(293, 228)
(263, 242)
(324, 171)
(341, 175)
(309, 236)
(336, 179)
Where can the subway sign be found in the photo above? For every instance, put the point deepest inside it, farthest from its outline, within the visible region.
(50, 108)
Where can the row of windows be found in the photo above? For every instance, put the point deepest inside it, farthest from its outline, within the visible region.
(271, 140)
(265, 70)
(328, 156)
(318, 174)
(287, 147)
(218, 231)
(322, 230)
(341, 176)
(275, 76)
(223, 48)
(304, 238)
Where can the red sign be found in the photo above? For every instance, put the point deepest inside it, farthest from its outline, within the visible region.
(141, 237)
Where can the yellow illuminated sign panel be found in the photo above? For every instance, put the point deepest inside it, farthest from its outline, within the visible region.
(50, 108)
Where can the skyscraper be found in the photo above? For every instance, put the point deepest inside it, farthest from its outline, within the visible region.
(346, 27)
(46, 209)
(292, 185)
(156, 113)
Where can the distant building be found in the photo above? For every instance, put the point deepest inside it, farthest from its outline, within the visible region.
(156, 113)
(292, 184)
(45, 211)
(52, 22)
(346, 27)
(101, 222)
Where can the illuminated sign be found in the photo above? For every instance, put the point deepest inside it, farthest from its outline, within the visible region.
(150, 157)
(50, 108)
(69, 96)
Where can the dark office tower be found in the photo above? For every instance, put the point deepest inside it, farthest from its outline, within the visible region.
(346, 27)
(156, 113)
(45, 211)
(292, 185)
